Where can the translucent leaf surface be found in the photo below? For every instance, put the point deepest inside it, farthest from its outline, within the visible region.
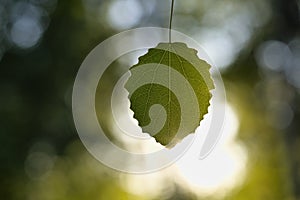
(169, 92)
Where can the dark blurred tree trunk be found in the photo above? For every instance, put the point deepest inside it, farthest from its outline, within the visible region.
(287, 17)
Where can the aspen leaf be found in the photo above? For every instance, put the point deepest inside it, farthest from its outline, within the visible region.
(169, 92)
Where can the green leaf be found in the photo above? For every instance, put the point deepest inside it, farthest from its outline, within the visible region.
(169, 92)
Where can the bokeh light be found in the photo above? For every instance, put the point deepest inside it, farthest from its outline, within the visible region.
(124, 14)
(26, 32)
(273, 55)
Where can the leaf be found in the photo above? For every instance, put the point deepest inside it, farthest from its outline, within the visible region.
(169, 92)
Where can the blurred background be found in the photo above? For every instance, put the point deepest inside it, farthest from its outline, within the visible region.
(254, 43)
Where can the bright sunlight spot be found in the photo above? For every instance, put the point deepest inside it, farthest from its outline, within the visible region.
(223, 168)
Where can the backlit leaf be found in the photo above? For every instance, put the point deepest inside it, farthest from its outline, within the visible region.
(169, 92)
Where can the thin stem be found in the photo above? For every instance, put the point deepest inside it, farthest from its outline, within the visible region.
(171, 18)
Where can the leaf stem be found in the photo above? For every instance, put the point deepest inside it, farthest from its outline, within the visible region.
(171, 18)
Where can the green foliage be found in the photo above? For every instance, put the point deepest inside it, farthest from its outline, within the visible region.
(169, 92)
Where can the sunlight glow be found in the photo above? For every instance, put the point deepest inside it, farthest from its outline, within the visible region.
(223, 169)
(150, 185)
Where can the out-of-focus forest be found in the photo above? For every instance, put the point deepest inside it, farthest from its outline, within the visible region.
(254, 43)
